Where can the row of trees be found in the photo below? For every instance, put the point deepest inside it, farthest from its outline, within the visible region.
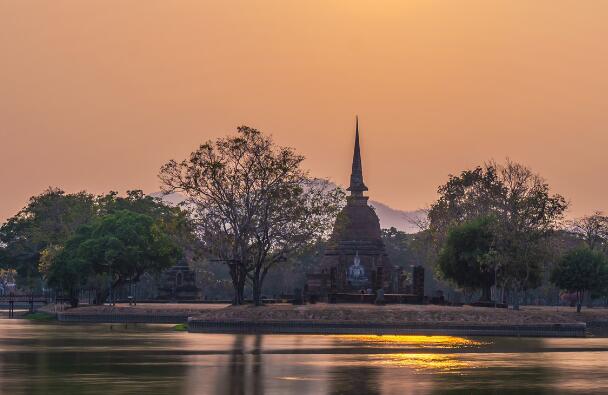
(248, 204)
(499, 226)
(74, 241)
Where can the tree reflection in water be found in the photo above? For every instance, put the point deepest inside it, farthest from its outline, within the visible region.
(234, 384)
(257, 369)
(245, 370)
(92, 359)
(354, 379)
(54, 359)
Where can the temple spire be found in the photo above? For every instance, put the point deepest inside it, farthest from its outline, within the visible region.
(357, 187)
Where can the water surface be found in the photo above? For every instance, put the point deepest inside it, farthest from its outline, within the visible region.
(54, 358)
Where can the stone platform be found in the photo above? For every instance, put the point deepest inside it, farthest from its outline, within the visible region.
(406, 328)
(357, 318)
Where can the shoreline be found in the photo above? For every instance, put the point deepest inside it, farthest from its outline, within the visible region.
(118, 318)
(343, 328)
(354, 319)
(404, 328)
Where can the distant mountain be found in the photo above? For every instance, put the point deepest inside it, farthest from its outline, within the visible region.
(402, 220)
(389, 217)
(172, 198)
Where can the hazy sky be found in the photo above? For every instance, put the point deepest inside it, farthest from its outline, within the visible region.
(97, 95)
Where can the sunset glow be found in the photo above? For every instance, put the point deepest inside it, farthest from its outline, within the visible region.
(97, 95)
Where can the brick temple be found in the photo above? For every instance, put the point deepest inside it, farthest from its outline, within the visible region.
(355, 261)
(179, 283)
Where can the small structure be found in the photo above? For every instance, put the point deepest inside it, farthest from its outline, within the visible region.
(179, 283)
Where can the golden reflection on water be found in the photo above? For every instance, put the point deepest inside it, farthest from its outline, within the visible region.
(435, 363)
(413, 340)
(420, 362)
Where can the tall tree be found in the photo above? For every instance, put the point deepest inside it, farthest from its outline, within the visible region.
(468, 257)
(47, 221)
(581, 270)
(253, 203)
(525, 210)
(120, 247)
(593, 230)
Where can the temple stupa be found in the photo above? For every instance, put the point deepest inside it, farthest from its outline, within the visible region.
(355, 260)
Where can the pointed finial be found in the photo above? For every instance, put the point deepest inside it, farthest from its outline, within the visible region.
(357, 187)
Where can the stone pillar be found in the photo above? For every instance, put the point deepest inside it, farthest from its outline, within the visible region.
(418, 282)
(379, 278)
(333, 273)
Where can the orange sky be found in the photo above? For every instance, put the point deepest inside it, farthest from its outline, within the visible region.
(97, 95)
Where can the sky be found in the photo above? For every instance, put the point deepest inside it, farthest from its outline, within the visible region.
(96, 95)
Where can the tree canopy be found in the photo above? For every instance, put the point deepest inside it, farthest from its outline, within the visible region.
(581, 270)
(526, 214)
(120, 246)
(593, 230)
(33, 239)
(253, 203)
(47, 221)
(398, 246)
(468, 257)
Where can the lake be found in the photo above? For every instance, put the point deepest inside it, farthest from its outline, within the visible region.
(54, 358)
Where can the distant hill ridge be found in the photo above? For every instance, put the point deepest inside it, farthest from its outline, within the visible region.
(389, 217)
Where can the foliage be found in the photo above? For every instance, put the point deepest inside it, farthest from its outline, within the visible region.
(253, 203)
(398, 246)
(120, 246)
(526, 215)
(468, 256)
(213, 279)
(47, 221)
(32, 240)
(593, 230)
(581, 270)
(172, 220)
(290, 275)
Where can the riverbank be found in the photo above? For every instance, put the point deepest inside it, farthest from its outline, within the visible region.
(396, 319)
(354, 318)
(406, 328)
(403, 313)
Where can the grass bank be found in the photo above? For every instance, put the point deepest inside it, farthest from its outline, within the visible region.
(40, 316)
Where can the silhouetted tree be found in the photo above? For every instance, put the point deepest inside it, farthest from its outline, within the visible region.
(525, 211)
(252, 202)
(593, 229)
